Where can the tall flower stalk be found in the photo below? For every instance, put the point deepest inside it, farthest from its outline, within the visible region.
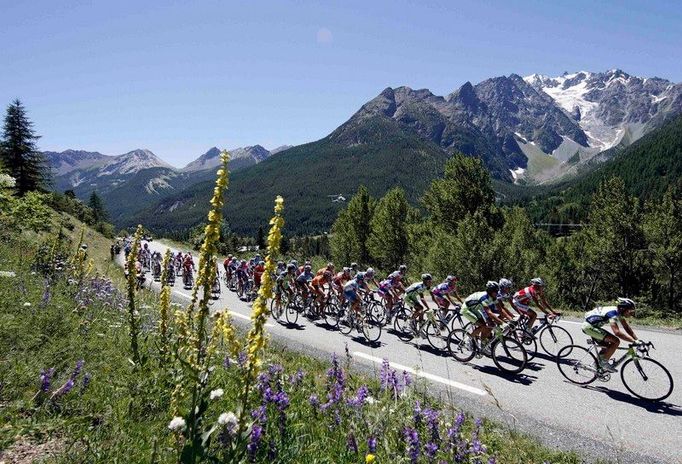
(132, 285)
(256, 336)
(164, 306)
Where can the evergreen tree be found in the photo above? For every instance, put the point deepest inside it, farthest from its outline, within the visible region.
(388, 239)
(351, 229)
(18, 151)
(663, 231)
(99, 212)
(464, 189)
(614, 240)
(260, 238)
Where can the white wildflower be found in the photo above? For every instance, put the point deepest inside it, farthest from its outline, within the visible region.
(27, 304)
(177, 424)
(217, 393)
(370, 400)
(8, 274)
(228, 419)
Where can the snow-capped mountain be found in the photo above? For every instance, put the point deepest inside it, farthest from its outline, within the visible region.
(611, 107)
(239, 158)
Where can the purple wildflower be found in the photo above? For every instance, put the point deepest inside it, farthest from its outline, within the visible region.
(412, 440)
(492, 460)
(351, 443)
(77, 369)
(259, 414)
(372, 444)
(241, 359)
(226, 362)
(314, 401)
(63, 390)
(254, 441)
(417, 414)
(297, 378)
(86, 382)
(430, 450)
(431, 416)
(407, 380)
(46, 379)
(360, 397)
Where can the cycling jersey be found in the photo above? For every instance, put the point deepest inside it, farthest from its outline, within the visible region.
(395, 277)
(350, 290)
(340, 279)
(443, 289)
(414, 292)
(319, 280)
(385, 287)
(304, 277)
(474, 306)
(601, 315)
(525, 295)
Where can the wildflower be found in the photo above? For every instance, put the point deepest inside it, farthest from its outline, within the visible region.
(8, 274)
(417, 414)
(27, 304)
(297, 378)
(86, 382)
(77, 369)
(431, 416)
(412, 440)
(361, 396)
(177, 424)
(372, 444)
(45, 379)
(430, 450)
(217, 393)
(370, 459)
(63, 390)
(314, 401)
(229, 420)
(351, 443)
(254, 441)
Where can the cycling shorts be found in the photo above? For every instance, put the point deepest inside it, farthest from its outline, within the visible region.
(441, 301)
(351, 295)
(471, 314)
(412, 299)
(595, 332)
(523, 308)
(384, 290)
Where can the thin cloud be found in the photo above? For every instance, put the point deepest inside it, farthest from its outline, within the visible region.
(324, 36)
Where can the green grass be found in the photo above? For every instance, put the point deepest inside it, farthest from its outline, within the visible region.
(123, 413)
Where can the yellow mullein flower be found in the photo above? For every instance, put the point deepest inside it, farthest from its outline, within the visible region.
(370, 459)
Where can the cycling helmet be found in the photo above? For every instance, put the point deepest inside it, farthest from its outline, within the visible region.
(626, 303)
(84, 246)
(257, 257)
(291, 267)
(451, 279)
(346, 270)
(402, 269)
(280, 263)
(330, 265)
(353, 265)
(537, 282)
(328, 274)
(294, 262)
(492, 286)
(242, 262)
(360, 276)
(369, 272)
(426, 277)
(307, 267)
(307, 262)
(505, 283)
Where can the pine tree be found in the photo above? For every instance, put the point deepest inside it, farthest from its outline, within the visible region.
(351, 229)
(663, 231)
(18, 151)
(99, 212)
(464, 189)
(388, 239)
(260, 238)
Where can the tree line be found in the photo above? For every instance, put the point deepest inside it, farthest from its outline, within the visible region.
(626, 247)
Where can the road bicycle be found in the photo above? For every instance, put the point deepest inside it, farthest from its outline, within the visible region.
(364, 323)
(644, 377)
(215, 288)
(170, 277)
(156, 271)
(278, 306)
(508, 354)
(552, 337)
(187, 278)
(433, 326)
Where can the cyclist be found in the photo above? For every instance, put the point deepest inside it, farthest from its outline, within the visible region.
(441, 295)
(505, 295)
(318, 284)
(370, 276)
(301, 269)
(534, 293)
(226, 265)
(281, 267)
(353, 270)
(258, 271)
(284, 283)
(351, 289)
(339, 281)
(329, 267)
(303, 281)
(595, 319)
(187, 268)
(479, 307)
(397, 277)
(387, 293)
(242, 274)
(414, 297)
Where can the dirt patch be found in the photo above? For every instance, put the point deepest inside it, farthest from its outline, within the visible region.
(25, 451)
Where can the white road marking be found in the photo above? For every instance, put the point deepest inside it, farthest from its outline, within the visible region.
(233, 313)
(426, 375)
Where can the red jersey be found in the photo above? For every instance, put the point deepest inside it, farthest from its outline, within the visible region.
(525, 295)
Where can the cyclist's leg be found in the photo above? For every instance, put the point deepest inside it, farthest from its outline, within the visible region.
(608, 342)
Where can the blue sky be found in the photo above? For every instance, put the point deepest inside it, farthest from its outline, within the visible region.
(178, 77)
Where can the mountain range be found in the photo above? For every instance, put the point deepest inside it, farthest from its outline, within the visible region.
(527, 130)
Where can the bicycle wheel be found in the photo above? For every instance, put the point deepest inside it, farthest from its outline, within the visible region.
(527, 340)
(329, 311)
(401, 324)
(461, 345)
(291, 312)
(371, 328)
(378, 313)
(647, 379)
(509, 355)
(577, 364)
(346, 322)
(553, 338)
(437, 336)
(276, 308)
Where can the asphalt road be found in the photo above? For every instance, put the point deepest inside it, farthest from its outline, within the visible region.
(600, 421)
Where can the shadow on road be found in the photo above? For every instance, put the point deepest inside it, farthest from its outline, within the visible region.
(295, 326)
(523, 379)
(363, 341)
(660, 407)
(431, 350)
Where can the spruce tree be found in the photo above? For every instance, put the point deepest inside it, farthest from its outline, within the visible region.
(99, 212)
(351, 229)
(18, 151)
(388, 239)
